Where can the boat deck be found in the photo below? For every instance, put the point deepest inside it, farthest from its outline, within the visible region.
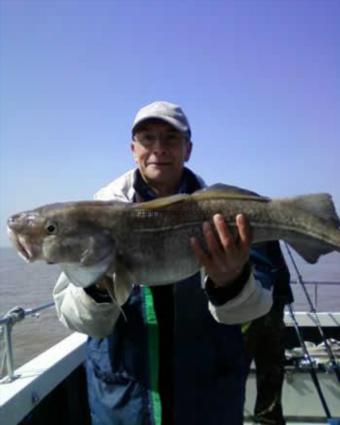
(58, 372)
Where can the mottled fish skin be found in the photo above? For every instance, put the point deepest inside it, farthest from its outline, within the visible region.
(142, 242)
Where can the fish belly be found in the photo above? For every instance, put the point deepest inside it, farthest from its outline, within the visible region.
(162, 257)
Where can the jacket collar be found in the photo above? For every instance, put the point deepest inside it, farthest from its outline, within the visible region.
(188, 184)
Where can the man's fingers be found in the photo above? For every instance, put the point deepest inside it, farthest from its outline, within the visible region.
(200, 254)
(224, 234)
(244, 231)
(210, 239)
(221, 245)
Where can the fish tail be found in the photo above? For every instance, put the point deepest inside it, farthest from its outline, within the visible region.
(322, 207)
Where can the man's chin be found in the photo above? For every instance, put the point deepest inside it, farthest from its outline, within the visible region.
(162, 166)
(160, 174)
(154, 170)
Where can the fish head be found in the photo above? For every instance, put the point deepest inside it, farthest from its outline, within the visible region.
(25, 231)
(59, 233)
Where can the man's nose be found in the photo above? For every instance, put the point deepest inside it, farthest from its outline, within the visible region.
(159, 144)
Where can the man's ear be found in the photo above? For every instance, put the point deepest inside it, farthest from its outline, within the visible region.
(188, 151)
(133, 147)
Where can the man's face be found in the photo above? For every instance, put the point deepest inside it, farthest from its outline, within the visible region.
(160, 152)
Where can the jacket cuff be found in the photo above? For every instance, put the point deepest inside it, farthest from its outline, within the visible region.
(220, 295)
(97, 295)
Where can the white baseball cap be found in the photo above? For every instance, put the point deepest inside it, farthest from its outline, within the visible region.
(165, 111)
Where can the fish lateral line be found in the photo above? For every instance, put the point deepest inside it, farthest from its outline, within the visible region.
(169, 227)
(297, 229)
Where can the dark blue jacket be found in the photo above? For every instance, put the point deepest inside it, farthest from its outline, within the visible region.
(170, 362)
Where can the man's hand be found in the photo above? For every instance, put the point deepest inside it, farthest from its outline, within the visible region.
(226, 255)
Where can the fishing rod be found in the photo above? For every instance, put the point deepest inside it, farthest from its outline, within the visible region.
(330, 353)
(309, 360)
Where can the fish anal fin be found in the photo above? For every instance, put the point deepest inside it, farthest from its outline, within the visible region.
(310, 249)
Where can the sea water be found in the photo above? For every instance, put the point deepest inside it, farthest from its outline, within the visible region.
(31, 285)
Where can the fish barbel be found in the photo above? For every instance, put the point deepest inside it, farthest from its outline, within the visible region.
(149, 242)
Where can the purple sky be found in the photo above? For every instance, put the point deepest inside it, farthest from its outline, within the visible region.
(259, 81)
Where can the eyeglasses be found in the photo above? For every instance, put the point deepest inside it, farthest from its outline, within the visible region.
(168, 140)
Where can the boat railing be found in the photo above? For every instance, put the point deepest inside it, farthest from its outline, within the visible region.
(18, 314)
(315, 284)
(7, 321)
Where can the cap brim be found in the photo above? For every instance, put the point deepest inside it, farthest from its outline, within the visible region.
(168, 120)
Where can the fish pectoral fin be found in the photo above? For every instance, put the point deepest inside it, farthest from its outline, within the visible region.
(110, 289)
(122, 289)
(122, 283)
(97, 248)
(84, 276)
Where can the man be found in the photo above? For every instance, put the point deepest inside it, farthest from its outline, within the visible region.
(264, 338)
(177, 357)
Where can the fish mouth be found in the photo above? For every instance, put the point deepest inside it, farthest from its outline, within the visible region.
(21, 245)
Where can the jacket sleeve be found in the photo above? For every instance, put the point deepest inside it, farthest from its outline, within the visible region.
(80, 312)
(252, 302)
(269, 275)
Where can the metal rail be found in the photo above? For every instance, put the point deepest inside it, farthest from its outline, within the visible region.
(17, 314)
(332, 358)
(310, 363)
(316, 284)
(7, 321)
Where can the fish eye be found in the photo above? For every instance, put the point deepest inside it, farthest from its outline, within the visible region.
(51, 228)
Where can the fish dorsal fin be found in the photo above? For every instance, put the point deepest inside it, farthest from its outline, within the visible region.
(320, 204)
(223, 191)
(162, 202)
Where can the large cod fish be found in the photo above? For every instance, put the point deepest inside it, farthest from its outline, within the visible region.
(150, 242)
